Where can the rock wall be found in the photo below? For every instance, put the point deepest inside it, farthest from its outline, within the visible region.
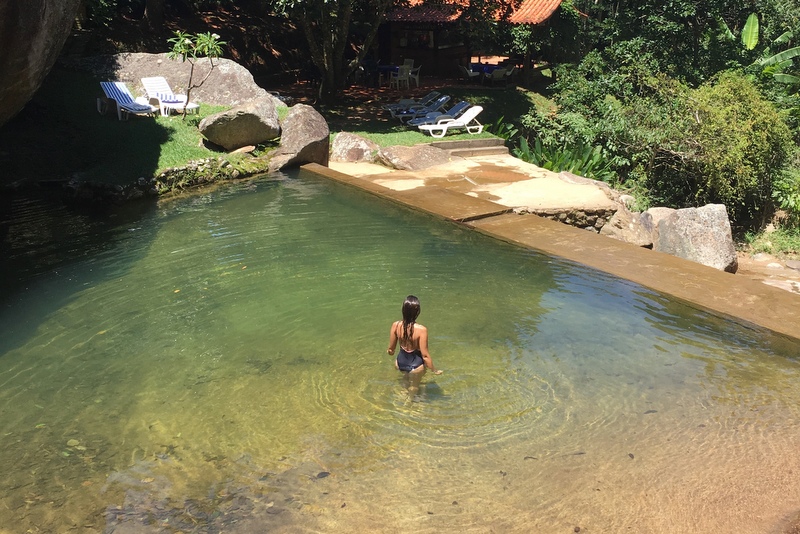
(32, 34)
(229, 83)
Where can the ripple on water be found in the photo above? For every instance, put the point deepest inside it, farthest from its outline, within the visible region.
(458, 409)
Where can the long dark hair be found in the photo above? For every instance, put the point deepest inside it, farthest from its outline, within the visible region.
(410, 314)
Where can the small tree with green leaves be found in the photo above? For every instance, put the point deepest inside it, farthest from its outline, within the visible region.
(189, 47)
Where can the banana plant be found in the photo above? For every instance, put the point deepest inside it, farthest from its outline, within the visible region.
(750, 32)
(777, 64)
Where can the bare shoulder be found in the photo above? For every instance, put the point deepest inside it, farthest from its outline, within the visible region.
(420, 328)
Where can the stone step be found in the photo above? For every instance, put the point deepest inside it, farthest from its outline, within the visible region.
(469, 143)
(479, 151)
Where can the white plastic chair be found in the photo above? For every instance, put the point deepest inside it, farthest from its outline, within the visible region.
(414, 75)
(466, 121)
(158, 90)
(400, 77)
(467, 74)
(498, 75)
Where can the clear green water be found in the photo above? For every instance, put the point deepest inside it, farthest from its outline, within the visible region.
(218, 364)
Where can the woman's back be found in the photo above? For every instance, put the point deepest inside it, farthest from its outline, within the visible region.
(410, 336)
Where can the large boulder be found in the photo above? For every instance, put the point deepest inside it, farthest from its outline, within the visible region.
(351, 147)
(650, 219)
(250, 123)
(414, 158)
(32, 33)
(701, 234)
(229, 83)
(305, 138)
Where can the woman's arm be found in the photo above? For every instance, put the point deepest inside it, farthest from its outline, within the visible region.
(392, 338)
(423, 348)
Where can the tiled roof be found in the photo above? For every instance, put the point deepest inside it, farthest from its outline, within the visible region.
(534, 11)
(529, 11)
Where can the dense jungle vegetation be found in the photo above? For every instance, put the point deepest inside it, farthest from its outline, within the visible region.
(683, 103)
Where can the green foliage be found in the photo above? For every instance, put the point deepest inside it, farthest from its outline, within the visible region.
(100, 12)
(189, 47)
(777, 64)
(750, 32)
(786, 194)
(501, 128)
(783, 240)
(581, 160)
(741, 146)
(721, 143)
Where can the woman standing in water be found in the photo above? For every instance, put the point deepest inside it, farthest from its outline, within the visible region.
(413, 357)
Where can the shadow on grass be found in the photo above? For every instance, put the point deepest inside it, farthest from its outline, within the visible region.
(60, 135)
(360, 112)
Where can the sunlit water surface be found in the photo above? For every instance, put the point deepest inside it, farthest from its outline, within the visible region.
(218, 364)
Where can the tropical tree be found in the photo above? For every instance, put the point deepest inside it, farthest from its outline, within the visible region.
(328, 27)
(190, 47)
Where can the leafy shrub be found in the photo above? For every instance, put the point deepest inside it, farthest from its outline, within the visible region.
(786, 194)
(723, 142)
(581, 160)
(732, 152)
(503, 129)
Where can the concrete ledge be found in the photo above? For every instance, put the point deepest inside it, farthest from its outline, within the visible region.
(738, 298)
(430, 199)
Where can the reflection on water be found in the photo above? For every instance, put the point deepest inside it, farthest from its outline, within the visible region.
(218, 363)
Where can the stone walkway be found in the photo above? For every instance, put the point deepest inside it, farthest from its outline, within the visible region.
(484, 192)
(500, 178)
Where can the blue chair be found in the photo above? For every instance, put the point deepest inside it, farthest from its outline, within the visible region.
(123, 100)
(415, 112)
(434, 117)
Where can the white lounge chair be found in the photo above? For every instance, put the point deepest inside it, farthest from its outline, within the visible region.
(436, 116)
(420, 111)
(159, 91)
(123, 100)
(466, 121)
(409, 102)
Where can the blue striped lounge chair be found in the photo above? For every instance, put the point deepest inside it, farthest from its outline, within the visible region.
(123, 99)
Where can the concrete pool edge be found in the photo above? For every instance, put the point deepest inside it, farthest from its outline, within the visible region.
(741, 299)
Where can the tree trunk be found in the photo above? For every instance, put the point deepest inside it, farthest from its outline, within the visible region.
(328, 36)
(154, 14)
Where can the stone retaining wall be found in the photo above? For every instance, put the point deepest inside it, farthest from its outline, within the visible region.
(592, 220)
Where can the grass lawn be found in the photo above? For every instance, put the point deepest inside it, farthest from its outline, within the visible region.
(360, 113)
(60, 134)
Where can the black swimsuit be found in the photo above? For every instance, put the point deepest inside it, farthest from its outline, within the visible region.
(408, 361)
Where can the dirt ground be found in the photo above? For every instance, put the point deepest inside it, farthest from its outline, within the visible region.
(771, 270)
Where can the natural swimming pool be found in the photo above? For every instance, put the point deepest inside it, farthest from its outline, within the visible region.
(219, 363)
